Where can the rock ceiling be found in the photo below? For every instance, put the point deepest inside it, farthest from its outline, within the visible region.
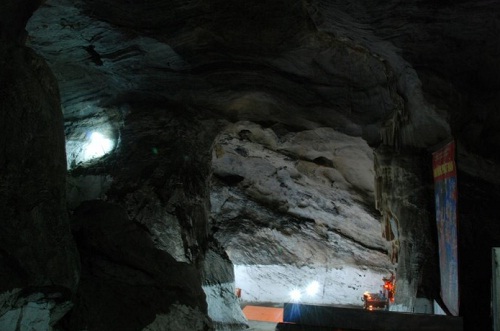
(363, 69)
(275, 127)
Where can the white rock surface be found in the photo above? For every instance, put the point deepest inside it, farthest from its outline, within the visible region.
(39, 315)
(218, 284)
(341, 285)
(223, 306)
(291, 208)
(288, 210)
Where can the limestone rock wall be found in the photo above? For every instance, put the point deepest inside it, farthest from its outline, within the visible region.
(291, 207)
(39, 265)
(405, 197)
(219, 287)
(297, 181)
(127, 283)
(143, 242)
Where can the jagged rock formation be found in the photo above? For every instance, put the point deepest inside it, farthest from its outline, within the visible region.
(310, 114)
(293, 207)
(295, 183)
(149, 239)
(218, 284)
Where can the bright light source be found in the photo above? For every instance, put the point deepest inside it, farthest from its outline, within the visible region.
(98, 146)
(295, 295)
(313, 288)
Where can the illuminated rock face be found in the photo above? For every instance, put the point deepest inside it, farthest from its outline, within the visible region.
(294, 207)
(294, 134)
(146, 234)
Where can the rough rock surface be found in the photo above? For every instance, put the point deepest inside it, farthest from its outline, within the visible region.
(341, 284)
(219, 287)
(39, 266)
(127, 283)
(156, 81)
(297, 199)
(402, 184)
(148, 238)
(299, 183)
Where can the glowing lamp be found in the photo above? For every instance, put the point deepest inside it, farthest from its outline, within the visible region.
(313, 288)
(295, 295)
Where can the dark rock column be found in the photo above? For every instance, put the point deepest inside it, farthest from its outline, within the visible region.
(404, 196)
(143, 243)
(39, 267)
(224, 308)
(127, 283)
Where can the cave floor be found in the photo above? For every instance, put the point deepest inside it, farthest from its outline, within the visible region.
(255, 325)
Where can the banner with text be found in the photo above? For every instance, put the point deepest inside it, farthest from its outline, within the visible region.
(445, 188)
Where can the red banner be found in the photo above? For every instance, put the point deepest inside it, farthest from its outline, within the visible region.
(445, 188)
(443, 162)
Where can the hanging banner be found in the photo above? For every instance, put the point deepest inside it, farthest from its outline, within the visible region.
(445, 188)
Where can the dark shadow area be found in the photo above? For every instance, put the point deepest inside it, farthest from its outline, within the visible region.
(125, 280)
(478, 232)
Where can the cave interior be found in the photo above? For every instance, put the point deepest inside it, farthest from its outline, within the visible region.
(159, 156)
